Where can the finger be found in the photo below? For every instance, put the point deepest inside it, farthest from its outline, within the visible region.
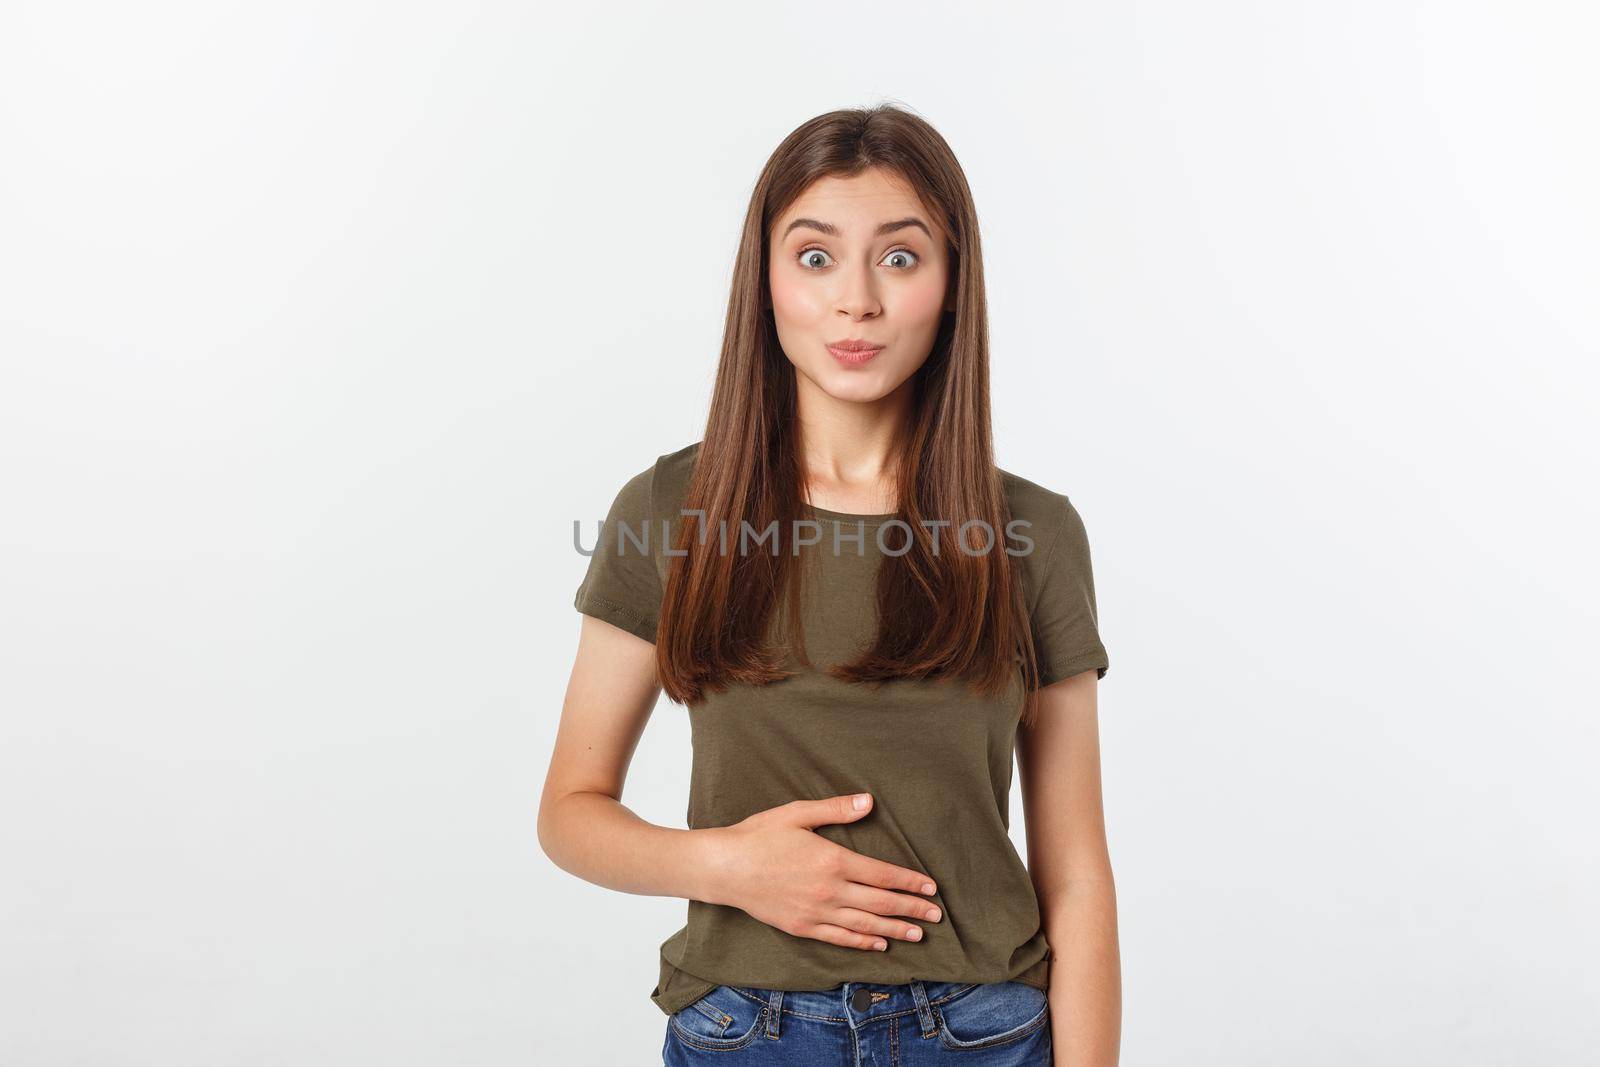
(876, 872)
(865, 922)
(838, 935)
(883, 902)
(813, 813)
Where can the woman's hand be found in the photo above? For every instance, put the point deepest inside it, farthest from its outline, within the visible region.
(774, 868)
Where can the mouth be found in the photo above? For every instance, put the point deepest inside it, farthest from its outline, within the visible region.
(854, 353)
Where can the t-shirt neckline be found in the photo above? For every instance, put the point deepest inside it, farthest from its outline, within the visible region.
(846, 516)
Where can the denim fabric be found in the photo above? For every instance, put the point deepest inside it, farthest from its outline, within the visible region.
(919, 1024)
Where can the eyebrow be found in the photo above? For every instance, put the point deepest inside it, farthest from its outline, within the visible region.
(833, 231)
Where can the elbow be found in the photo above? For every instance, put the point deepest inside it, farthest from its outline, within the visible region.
(556, 811)
(550, 825)
(545, 828)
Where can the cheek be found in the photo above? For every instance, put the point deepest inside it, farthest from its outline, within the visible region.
(793, 300)
(923, 302)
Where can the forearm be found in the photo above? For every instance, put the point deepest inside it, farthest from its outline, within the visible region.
(598, 839)
(1080, 921)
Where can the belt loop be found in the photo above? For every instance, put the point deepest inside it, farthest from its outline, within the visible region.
(924, 1012)
(774, 1011)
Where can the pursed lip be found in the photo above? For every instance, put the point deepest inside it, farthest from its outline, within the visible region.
(854, 352)
(854, 344)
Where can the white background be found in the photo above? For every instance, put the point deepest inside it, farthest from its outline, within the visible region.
(321, 323)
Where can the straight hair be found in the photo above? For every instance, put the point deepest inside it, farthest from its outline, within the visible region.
(942, 614)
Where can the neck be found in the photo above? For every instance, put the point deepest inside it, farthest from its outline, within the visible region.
(850, 450)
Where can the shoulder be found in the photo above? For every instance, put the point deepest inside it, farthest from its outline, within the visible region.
(1048, 519)
(672, 473)
(1049, 513)
(658, 488)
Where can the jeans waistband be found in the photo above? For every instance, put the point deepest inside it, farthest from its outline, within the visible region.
(855, 1004)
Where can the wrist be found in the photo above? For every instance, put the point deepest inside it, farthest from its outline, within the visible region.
(709, 864)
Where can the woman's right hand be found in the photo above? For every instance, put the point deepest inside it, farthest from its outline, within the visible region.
(774, 868)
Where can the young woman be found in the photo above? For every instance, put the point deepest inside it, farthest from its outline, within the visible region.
(865, 618)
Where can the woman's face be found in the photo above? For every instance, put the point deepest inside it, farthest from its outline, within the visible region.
(858, 260)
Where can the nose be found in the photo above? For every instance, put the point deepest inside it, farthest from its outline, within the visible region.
(858, 294)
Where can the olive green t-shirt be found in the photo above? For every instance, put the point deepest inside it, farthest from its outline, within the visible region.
(936, 757)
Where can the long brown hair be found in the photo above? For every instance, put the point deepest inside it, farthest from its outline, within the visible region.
(944, 614)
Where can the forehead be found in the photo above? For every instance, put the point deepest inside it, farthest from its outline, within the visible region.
(857, 203)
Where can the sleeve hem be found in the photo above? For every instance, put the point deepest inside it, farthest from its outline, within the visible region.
(1090, 660)
(624, 618)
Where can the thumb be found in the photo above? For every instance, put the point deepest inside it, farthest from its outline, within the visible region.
(846, 808)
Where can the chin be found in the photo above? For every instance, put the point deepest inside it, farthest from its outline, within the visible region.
(860, 386)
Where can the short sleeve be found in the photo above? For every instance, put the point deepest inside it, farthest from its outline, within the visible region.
(622, 585)
(1066, 630)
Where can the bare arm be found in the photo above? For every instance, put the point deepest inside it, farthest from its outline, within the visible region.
(583, 826)
(1059, 761)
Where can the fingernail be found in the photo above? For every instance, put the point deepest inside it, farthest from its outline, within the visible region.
(927, 887)
(882, 946)
(933, 916)
(913, 934)
(860, 801)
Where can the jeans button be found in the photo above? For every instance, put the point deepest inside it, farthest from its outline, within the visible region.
(861, 999)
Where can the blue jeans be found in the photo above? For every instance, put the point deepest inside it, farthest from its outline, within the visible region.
(864, 1024)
